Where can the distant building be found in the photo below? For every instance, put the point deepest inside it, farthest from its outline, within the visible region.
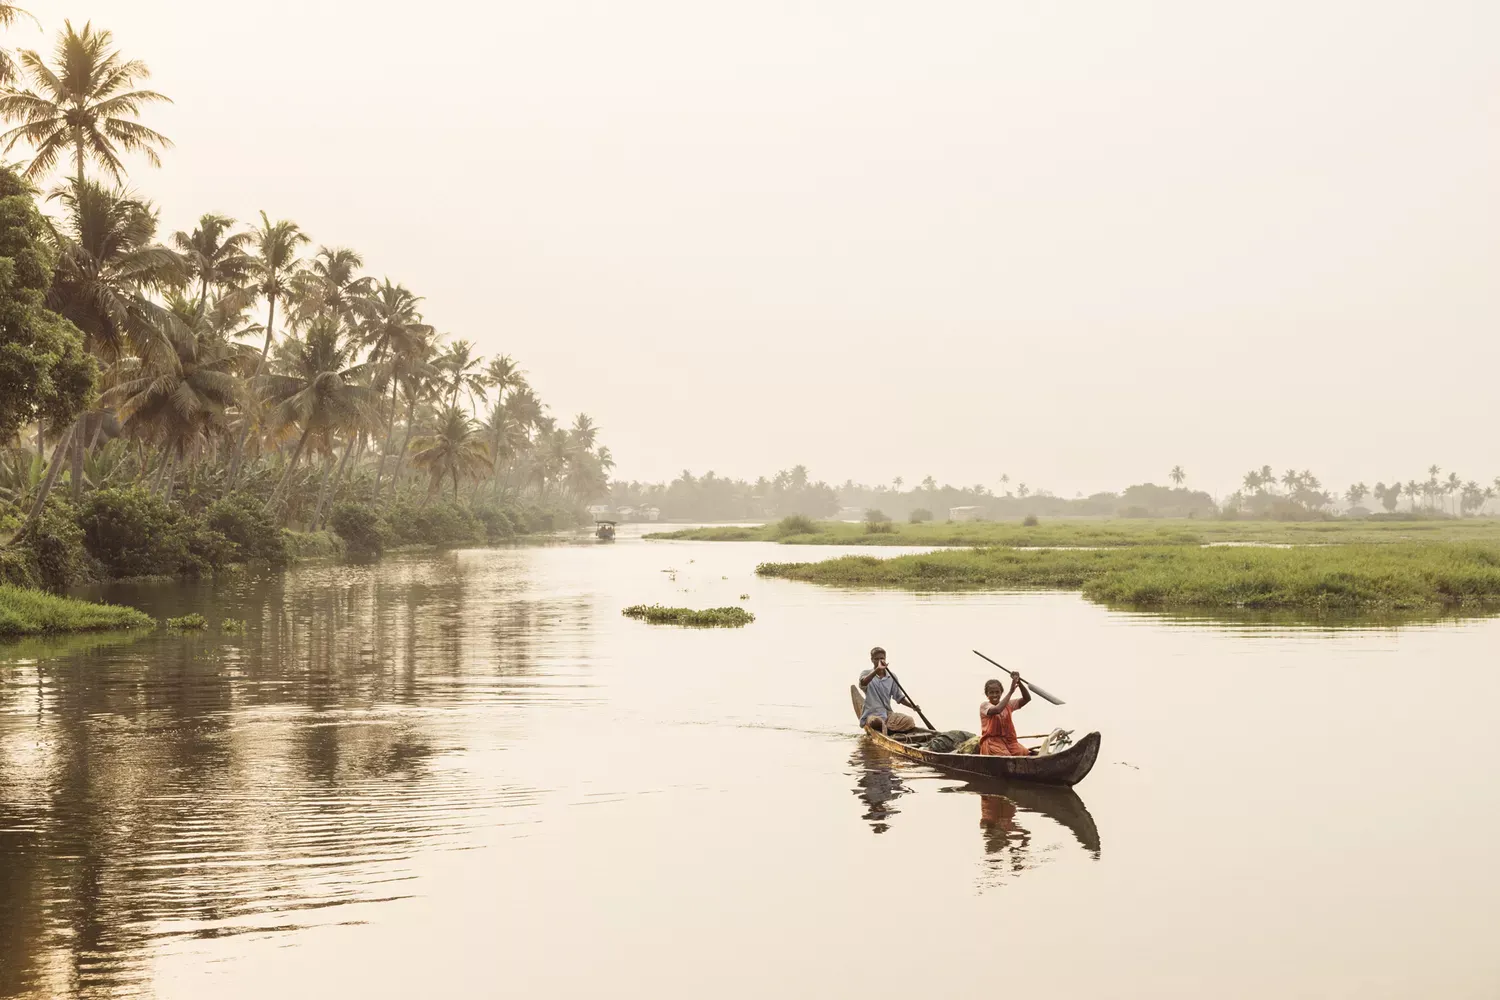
(966, 513)
(650, 513)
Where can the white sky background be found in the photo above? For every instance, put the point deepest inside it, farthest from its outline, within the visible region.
(1077, 242)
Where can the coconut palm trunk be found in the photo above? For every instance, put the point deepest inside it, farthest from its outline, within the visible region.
(286, 477)
(411, 421)
(390, 433)
(53, 468)
(328, 489)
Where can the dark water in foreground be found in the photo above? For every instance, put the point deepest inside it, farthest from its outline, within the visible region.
(468, 775)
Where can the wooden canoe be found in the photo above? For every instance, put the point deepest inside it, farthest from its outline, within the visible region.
(1065, 767)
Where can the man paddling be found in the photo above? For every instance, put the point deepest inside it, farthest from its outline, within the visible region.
(881, 690)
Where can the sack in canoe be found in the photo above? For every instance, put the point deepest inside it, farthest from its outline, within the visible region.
(949, 741)
(970, 745)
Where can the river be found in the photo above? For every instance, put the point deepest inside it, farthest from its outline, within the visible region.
(466, 774)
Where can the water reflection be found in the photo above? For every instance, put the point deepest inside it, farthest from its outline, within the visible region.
(1006, 810)
(877, 784)
(159, 787)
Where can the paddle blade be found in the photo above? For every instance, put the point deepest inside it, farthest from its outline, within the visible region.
(1040, 693)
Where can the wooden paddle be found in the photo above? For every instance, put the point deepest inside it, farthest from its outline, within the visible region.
(1052, 698)
(908, 695)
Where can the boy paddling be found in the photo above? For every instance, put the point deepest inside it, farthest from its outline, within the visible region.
(881, 690)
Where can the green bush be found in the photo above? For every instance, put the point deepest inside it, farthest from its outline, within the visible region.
(1030, 521)
(498, 526)
(312, 545)
(132, 532)
(920, 516)
(126, 531)
(795, 524)
(363, 530)
(442, 523)
(879, 528)
(56, 545)
(192, 548)
(242, 519)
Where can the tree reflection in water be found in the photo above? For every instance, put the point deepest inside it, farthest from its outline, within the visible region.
(180, 787)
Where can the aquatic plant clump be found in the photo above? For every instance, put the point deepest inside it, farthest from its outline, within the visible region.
(657, 614)
(232, 626)
(187, 623)
(1397, 576)
(24, 611)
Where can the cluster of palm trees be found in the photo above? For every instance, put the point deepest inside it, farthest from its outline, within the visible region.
(1436, 495)
(1452, 495)
(233, 352)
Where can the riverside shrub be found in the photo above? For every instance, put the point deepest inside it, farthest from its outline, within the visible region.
(126, 531)
(363, 530)
(56, 545)
(242, 519)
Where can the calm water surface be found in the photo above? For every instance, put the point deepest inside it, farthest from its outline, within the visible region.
(467, 775)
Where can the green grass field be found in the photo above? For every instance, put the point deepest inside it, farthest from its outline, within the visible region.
(1109, 532)
(1396, 576)
(33, 612)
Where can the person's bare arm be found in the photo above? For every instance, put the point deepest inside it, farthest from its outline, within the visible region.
(1016, 682)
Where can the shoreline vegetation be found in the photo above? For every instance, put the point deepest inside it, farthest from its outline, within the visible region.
(1361, 578)
(27, 612)
(1095, 532)
(178, 403)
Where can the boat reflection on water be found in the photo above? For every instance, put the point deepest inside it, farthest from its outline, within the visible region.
(1006, 809)
(878, 784)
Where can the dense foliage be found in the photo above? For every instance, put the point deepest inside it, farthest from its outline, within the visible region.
(44, 372)
(246, 382)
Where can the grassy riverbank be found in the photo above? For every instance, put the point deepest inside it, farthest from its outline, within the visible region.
(32, 612)
(1103, 532)
(1396, 576)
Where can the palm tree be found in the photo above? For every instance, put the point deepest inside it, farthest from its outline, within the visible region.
(585, 431)
(332, 284)
(1177, 476)
(86, 106)
(1291, 480)
(9, 15)
(107, 263)
(1453, 484)
(454, 449)
(503, 376)
(393, 330)
(275, 267)
(319, 385)
(1412, 489)
(1252, 480)
(461, 371)
(214, 257)
(179, 398)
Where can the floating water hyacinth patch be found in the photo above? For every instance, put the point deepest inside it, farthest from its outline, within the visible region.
(656, 614)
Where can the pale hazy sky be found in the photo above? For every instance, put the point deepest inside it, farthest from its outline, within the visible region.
(1075, 242)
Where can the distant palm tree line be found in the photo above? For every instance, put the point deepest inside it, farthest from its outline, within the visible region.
(1451, 495)
(227, 348)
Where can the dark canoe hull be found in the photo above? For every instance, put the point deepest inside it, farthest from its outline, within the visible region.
(1066, 767)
